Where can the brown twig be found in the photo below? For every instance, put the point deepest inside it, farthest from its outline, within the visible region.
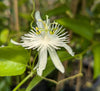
(83, 7)
(15, 2)
(64, 80)
(78, 84)
(74, 4)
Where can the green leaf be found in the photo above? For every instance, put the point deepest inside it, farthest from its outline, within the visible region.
(78, 26)
(4, 35)
(96, 51)
(5, 83)
(3, 7)
(57, 11)
(50, 67)
(25, 16)
(13, 60)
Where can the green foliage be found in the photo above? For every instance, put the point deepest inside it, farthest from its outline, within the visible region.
(96, 51)
(4, 35)
(2, 7)
(78, 26)
(25, 16)
(2, 22)
(50, 67)
(57, 11)
(5, 83)
(89, 3)
(13, 60)
(21, 2)
(96, 9)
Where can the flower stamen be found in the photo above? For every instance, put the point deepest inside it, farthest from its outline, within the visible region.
(45, 26)
(37, 30)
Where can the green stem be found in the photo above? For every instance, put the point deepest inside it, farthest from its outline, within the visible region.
(23, 81)
(30, 59)
(71, 77)
(62, 81)
(50, 80)
(34, 60)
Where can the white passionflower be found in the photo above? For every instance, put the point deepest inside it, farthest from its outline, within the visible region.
(46, 37)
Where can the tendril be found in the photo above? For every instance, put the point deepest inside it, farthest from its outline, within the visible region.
(32, 14)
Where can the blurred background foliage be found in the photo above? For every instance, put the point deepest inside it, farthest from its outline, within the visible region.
(81, 18)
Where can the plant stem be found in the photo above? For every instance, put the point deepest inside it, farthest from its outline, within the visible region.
(50, 80)
(78, 84)
(30, 59)
(15, 2)
(80, 64)
(23, 81)
(78, 81)
(71, 77)
(34, 60)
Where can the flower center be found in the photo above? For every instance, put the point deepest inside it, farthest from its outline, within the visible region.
(45, 39)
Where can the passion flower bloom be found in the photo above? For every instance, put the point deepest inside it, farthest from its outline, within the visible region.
(46, 37)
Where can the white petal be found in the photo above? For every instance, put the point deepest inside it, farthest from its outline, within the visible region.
(56, 60)
(42, 61)
(68, 48)
(14, 42)
(39, 72)
(38, 19)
